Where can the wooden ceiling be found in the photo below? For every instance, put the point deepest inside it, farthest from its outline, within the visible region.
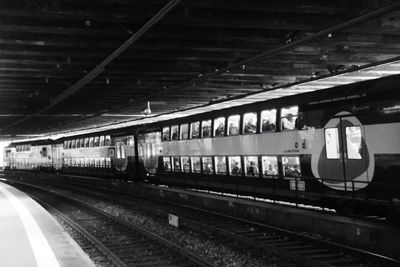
(73, 64)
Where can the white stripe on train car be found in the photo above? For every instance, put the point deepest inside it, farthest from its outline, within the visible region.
(44, 255)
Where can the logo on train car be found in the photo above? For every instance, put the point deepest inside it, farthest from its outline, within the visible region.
(344, 161)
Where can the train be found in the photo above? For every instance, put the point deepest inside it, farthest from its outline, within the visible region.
(336, 148)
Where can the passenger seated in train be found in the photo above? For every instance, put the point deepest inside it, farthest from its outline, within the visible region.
(271, 170)
(167, 166)
(252, 169)
(250, 127)
(208, 168)
(236, 169)
(288, 122)
(220, 130)
(267, 125)
(233, 129)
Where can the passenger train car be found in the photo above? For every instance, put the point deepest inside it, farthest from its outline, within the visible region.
(337, 148)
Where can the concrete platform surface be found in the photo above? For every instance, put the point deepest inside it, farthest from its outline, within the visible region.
(30, 236)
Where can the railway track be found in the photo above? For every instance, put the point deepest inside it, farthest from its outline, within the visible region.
(120, 242)
(303, 249)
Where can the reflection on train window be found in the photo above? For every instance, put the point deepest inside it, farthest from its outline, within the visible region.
(78, 145)
(206, 128)
(176, 164)
(220, 163)
(219, 126)
(251, 166)
(269, 166)
(74, 143)
(120, 150)
(108, 140)
(196, 164)
(65, 145)
(82, 141)
(185, 164)
(91, 139)
(250, 123)
(354, 142)
(69, 144)
(235, 167)
(174, 132)
(268, 120)
(86, 142)
(102, 140)
(289, 117)
(291, 167)
(233, 124)
(96, 141)
(208, 165)
(332, 143)
(165, 134)
(184, 131)
(167, 164)
(195, 130)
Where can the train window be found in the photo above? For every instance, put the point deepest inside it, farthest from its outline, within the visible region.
(208, 166)
(195, 130)
(250, 123)
(176, 164)
(174, 132)
(251, 166)
(219, 126)
(185, 164)
(167, 164)
(92, 160)
(233, 125)
(165, 134)
(354, 144)
(291, 167)
(235, 167)
(108, 162)
(268, 120)
(82, 162)
(184, 131)
(73, 143)
(64, 146)
(206, 129)
(96, 141)
(102, 162)
(97, 162)
(289, 117)
(220, 162)
(332, 143)
(101, 140)
(44, 151)
(69, 144)
(78, 143)
(91, 139)
(87, 162)
(86, 142)
(82, 142)
(269, 166)
(196, 166)
(107, 140)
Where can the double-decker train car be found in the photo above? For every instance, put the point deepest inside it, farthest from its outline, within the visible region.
(337, 148)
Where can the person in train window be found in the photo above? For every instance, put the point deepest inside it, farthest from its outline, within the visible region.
(167, 166)
(220, 130)
(233, 130)
(267, 125)
(208, 168)
(236, 170)
(253, 169)
(250, 127)
(288, 122)
(271, 170)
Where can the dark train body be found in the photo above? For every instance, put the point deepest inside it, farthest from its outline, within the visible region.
(338, 148)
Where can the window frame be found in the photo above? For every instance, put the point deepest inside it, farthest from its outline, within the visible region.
(275, 111)
(244, 123)
(227, 126)
(210, 133)
(214, 131)
(191, 130)
(285, 117)
(276, 167)
(168, 136)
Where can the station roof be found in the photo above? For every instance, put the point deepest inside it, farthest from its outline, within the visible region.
(69, 65)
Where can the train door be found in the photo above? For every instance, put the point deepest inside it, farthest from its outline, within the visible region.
(344, 161)
(149, 146)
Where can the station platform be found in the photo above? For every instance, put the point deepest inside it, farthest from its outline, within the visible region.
(30, 236)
